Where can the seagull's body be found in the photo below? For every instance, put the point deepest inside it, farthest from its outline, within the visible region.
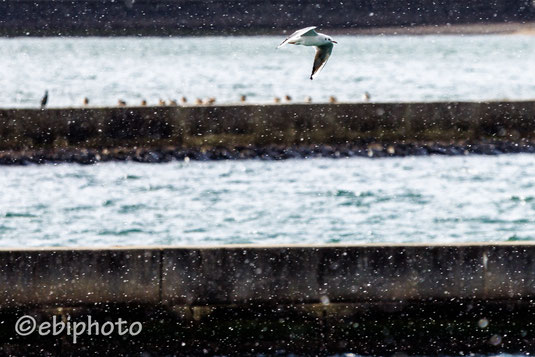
(309, 37)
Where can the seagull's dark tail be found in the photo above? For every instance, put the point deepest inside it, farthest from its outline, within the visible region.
(311, 78)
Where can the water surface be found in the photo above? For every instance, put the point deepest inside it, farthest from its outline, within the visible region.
(355, 200)
(390, 68)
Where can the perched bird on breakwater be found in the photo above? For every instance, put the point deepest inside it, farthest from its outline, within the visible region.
(161, 102)
(86, 101)
(276, 100)
(183, 100)
(121, 103)
(210, 101)
(366, 97)
(198, 101)
(243, 98)
(287, 98)
(173, 102)
(143, 103)
(308, 99)
(44, 100)
(308, 37)
(332, 99)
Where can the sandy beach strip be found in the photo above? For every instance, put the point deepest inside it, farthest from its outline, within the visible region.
(511, 28)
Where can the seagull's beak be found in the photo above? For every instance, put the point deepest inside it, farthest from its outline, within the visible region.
(333, 41)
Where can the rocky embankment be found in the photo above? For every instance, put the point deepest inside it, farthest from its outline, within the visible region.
(272, 152)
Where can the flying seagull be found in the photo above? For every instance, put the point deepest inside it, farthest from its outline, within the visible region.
(309, 37)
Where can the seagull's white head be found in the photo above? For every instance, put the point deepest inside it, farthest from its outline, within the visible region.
(328, 39)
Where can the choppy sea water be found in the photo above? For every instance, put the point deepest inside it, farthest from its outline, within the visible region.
(412, 199)
(390, 68)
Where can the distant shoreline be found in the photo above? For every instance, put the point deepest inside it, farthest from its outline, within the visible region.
(510, 28)
(456, 29)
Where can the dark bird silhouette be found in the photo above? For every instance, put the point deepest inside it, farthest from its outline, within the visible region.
(86, 101)
(44, 100)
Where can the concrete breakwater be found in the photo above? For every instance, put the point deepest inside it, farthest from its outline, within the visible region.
(156, 134)
(259, 299)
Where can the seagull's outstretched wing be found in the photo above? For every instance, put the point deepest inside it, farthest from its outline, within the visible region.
(322, 55)
(307, 31)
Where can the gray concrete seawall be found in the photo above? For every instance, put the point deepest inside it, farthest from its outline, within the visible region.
(278, 274)
(302, 299)
(261, 125)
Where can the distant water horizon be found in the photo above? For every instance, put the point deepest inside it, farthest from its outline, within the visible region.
(390, 68)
